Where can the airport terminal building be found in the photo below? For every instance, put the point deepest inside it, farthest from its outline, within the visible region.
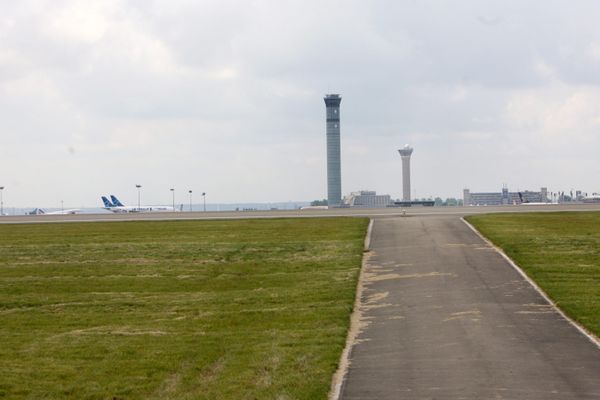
(504, 197)
(367, 198)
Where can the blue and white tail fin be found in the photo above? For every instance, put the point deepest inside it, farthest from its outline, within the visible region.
(107, 203)
(116, 201)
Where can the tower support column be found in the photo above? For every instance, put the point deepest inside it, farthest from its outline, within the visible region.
(405, 153)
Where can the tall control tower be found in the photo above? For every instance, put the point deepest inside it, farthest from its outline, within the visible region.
(405, 153)
(334, 174)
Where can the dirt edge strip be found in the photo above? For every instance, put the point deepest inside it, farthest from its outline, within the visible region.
(592, 338)
(340, 374)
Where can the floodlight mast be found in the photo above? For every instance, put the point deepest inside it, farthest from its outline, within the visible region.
(138, 190)
(1, 201)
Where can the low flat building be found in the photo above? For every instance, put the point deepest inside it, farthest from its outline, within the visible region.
(504, 197)
(367, 199)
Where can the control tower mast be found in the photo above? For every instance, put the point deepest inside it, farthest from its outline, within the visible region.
(405, 153)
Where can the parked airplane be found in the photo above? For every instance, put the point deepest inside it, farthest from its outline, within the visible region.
(117, 207)
(116, 201)
(594, 198)
(314, 208)
(39, 211)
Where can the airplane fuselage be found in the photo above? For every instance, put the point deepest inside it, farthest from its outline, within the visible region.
(114, 205)
(131, 209)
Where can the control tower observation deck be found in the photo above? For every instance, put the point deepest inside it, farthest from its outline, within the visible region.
(334, 173)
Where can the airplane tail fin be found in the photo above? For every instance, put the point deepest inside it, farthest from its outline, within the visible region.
(106, 202)
(116, 201)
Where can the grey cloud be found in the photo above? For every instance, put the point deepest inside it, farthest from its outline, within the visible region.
(233, 91)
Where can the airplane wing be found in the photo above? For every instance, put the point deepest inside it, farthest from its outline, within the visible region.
(64, 212)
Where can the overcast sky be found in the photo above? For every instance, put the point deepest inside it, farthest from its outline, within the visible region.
(227, 97)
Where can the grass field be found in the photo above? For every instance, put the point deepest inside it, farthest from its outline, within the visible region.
(559, 251)
(248, 309)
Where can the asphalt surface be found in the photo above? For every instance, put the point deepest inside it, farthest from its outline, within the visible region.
(444, 316)
(358, 212)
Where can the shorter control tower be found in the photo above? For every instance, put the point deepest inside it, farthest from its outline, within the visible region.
(405, 153)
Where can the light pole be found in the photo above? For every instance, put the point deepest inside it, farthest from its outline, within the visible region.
(190, 200)
(173, 192)
(204, 198)
(138, 189)
(1, 201)
(62, 206)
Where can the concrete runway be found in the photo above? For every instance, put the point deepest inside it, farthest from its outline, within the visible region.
(357, 212)
(444, 316)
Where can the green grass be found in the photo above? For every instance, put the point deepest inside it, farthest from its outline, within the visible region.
(559, 251)
(247, 309)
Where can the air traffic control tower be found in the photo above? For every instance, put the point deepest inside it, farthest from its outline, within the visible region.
(334, 174)
(405, 153)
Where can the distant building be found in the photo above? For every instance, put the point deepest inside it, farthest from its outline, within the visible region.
(504, 197)
(544, 195)
(367, 198)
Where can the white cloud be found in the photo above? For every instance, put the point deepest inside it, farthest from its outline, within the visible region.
(80, 22)
(593, 52)
(558, 115)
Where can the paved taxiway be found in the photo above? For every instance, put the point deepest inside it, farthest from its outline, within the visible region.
(357, 212)
(445, 316)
